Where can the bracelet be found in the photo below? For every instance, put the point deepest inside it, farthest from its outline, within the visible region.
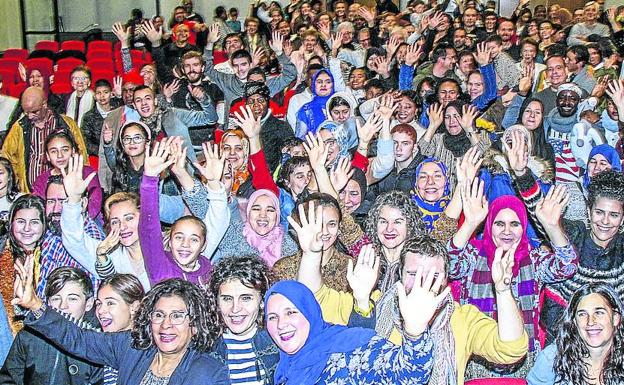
(38, 313)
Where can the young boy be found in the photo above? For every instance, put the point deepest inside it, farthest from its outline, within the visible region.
(32, 359)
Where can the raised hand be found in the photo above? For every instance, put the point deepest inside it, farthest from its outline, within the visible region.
(367, 14)
(469, 115)
(502, 268)
(109, 243)
(288, 47)
(363, 276)
(341, 174)
(23, 288)
(381, 65)
(526, 81)
(310, 230)
(197, 93)
(153, 35)
(247, 122)
(337, 41)
(418, 307)
(475, 204)
(107, 133)
(413, 55)
(171, 88)
(367, 131)
(117, 83)
(435, 20)
(483, 55)
(74, 184)
(22, 71)
(467, 167)
(277, 43)
(316, 149)
(601, 86)
(550, 208)
(517, 152)
(212, 170)
(256, 56)
(214, 33)
(157, 160)
(122, 34)
(325, 30)
(615, 90)
(387, 107)
(177, 152)
(436, 116)
(392, 46)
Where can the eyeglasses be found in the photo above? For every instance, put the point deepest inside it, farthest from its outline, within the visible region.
(176, 317)
(132, 139)
(80, 78)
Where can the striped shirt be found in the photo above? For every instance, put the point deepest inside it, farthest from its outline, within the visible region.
(37, 162)
(241, 359)
(565, 162)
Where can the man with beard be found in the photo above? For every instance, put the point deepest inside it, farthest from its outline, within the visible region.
(559, 124)
(195, 17)
(273, 132)
(577, 63)
(192, 66)
(443, 61)
(506, 29)
(469, 19)
(174, 50)
(117, 118)
(53, 253)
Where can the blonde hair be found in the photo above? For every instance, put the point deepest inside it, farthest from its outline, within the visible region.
(119, 198)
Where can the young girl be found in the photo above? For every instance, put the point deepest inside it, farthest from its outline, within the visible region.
(189, 236)
(118, 300)
(127, 159)
(60, 147)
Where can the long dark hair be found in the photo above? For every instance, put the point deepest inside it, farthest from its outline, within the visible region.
(200, 305)
(541, 148)
(571, 349)
(27, 201)
(12, 189)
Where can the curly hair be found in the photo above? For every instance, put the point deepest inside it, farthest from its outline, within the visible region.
(571, 349)
(200, 305)
(400, 201)
(606, 184)
(251, 271)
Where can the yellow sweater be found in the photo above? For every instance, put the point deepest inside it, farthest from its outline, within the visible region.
(14, 150)
(474, 332)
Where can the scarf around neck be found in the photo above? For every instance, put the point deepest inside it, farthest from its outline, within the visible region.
(560, 123)
(269, 246)
(431, 211)
(324, 339)
(84, 104)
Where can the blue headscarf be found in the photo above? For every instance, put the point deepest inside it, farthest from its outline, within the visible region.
(432, 211)
(306, 366)
(609, 153)
(312, 114)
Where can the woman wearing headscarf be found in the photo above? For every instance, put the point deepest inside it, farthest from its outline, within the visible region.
(505, 227)
(260, 233)
(457, 137)
(432, 192)
(313, 351)
(602, 157)
(313, 113)
(235, 145)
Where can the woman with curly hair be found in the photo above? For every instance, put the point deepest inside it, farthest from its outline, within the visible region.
(172, 329)
(591, 333)
(238, 284)
(599, 244)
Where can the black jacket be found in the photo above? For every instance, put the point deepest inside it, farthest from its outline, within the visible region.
(273, 133)
(33, 360)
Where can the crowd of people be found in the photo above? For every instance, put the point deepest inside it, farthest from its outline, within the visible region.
(322, 193)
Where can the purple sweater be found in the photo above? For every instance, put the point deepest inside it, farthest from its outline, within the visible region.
(159, 263)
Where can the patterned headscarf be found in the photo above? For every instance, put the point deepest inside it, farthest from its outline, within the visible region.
(431, 211)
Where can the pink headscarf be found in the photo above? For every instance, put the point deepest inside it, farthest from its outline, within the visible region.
(486, 245)
(269, 245)
(45, 74)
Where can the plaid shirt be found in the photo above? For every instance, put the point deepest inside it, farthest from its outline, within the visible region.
(54, 255)
(542, 267)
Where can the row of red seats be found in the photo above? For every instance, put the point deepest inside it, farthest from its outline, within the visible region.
(100, 59)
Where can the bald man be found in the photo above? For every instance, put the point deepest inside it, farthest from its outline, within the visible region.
(24, 145)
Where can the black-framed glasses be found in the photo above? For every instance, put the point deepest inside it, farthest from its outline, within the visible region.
(132, 139)
(176, 317)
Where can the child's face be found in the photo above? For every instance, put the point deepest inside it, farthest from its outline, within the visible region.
(58, 152)
(186, 242)
(103, 96)
(71, 299)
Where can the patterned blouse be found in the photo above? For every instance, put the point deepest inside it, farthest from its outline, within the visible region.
(382, 362)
